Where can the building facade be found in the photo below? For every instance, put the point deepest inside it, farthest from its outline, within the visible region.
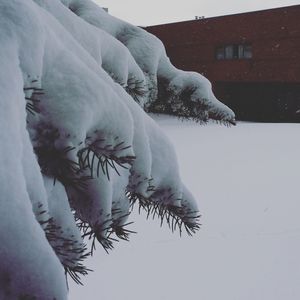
(252, 59)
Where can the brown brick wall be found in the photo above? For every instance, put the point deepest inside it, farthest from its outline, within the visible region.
(274, 35)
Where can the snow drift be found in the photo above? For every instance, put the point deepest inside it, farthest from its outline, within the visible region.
(77, 148)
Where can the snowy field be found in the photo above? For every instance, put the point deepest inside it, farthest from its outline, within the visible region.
(246, 179)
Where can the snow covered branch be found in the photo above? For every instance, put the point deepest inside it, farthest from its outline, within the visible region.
(77, 148)
(169, 90)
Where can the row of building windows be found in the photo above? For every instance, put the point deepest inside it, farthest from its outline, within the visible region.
(234, 52)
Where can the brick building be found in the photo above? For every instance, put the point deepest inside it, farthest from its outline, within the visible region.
(252, 59)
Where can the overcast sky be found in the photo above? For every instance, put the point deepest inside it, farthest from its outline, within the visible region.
(152, 12)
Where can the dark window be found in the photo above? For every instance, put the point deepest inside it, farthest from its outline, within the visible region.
(220, 53)
(234, 52)
(246, 51)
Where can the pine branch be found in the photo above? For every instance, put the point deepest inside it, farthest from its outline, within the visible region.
(98, 158)
(33, 101)
(55, 163)
(136, 89)
(118, 227)
(69, 251)
(100, 232)
(176, 217)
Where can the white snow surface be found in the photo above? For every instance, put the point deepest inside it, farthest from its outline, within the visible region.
(246, 181)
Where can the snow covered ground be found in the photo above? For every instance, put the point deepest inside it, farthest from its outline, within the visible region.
(246, 179)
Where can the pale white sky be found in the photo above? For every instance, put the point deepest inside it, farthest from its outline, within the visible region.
(152, 12)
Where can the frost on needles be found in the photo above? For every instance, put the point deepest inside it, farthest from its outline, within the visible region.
(78, 150)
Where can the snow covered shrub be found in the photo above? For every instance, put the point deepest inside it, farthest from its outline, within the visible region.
(77, 150)
(186, 94)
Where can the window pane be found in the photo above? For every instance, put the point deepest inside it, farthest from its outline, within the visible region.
(241, 51)
(220, 53)
(229, 52)
(235, 51)
(247, 51)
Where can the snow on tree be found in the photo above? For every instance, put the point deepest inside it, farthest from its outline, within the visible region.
(186, 94)
(28, 263)
(77, 148)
